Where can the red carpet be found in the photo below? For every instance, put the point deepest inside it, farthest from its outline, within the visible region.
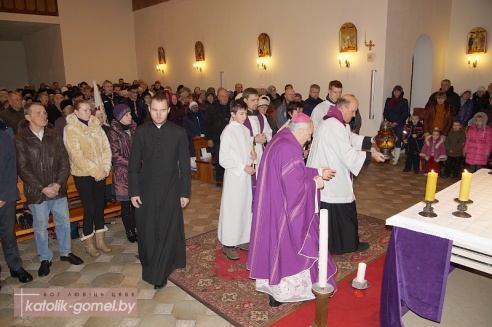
(344, 308)
(224, 285)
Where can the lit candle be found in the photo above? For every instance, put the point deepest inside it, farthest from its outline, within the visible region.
(465, 186)
(430, 187)
(323, 248)
(361, 272)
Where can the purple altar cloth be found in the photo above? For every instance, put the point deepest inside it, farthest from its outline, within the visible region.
(415, 276)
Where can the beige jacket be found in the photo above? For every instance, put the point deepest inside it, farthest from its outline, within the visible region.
(87, 147)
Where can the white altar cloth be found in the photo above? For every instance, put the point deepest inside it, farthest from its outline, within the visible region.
(473, 233)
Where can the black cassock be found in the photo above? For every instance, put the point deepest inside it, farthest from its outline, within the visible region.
(159, 172)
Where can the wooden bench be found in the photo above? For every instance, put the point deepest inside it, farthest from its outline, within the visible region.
(112, 209)
(204, 166)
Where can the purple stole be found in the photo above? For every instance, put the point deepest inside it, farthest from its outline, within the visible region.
(247, 123)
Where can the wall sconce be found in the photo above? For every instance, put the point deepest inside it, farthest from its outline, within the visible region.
(260, 64)
(160, 68)
(346, 62)
(197, 67)
(472, 63)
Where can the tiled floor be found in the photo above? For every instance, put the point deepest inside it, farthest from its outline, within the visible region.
(382, 190)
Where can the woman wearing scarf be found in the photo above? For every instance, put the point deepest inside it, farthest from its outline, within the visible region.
(396, 111)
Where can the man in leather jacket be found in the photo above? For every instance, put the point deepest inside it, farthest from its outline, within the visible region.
(42, 164)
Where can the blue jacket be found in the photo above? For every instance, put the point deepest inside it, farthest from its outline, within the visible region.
(398, 113)
(309, 105)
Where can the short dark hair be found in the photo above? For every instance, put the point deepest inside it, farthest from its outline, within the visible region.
(237, 105)
(288, 86)
(249, 91)
(314, 86)
(335, 83)
(294, 105)
(160, 97)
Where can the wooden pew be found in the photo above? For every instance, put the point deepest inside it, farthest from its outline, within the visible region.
(204, 166)
(112, 209)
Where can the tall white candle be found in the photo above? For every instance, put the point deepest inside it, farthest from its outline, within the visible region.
(361, 272)
(323, 248)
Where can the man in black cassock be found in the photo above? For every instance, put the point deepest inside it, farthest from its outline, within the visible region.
(159, 186)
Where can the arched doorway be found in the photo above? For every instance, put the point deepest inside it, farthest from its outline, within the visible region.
(422, 67)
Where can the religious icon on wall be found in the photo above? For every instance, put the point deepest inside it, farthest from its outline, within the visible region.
(199, 51)
(348, 38)
(477, 41)
(161, 55)
(264, 49)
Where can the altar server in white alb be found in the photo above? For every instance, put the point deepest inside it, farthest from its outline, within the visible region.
(236, 155)
(257, 124)
(335, 146)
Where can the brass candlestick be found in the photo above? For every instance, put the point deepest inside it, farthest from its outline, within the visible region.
(322, 295)
(428, 210)
(462, 207)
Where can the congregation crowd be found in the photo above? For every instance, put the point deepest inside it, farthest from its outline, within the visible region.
(274, 156)
(452, 131)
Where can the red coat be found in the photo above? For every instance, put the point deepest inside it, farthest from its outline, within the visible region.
(478, 145)
(121, 144)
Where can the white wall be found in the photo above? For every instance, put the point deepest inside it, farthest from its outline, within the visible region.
(44, 56)
(407, 22)
(13, 72)
(304, 42)
(466, 15)
(98, 40)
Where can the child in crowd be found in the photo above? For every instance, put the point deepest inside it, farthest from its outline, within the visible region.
(434, 151)
(413, 139)
(478, 142)
(236, 156)
(455, 141)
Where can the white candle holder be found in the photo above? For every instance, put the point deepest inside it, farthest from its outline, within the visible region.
(359, 288)
(358, 285)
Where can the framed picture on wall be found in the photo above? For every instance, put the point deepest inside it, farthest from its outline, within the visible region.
(161, 55)
(264, 49)
(199, 51)
(348, 38)
(477, 41)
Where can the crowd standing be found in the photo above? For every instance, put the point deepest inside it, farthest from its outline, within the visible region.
(270, 172)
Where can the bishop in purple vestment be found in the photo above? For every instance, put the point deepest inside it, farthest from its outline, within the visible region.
(283, 253)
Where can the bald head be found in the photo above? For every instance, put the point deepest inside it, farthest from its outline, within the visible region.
(289, 95)
(348, 105)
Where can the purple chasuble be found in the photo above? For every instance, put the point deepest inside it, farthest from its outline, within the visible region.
(285, 228)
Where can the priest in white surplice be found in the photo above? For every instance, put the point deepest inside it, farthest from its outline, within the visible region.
(335, 146)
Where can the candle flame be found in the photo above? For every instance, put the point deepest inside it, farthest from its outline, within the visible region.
(466, 171)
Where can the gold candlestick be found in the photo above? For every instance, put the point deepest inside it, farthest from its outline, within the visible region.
(322, 295)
